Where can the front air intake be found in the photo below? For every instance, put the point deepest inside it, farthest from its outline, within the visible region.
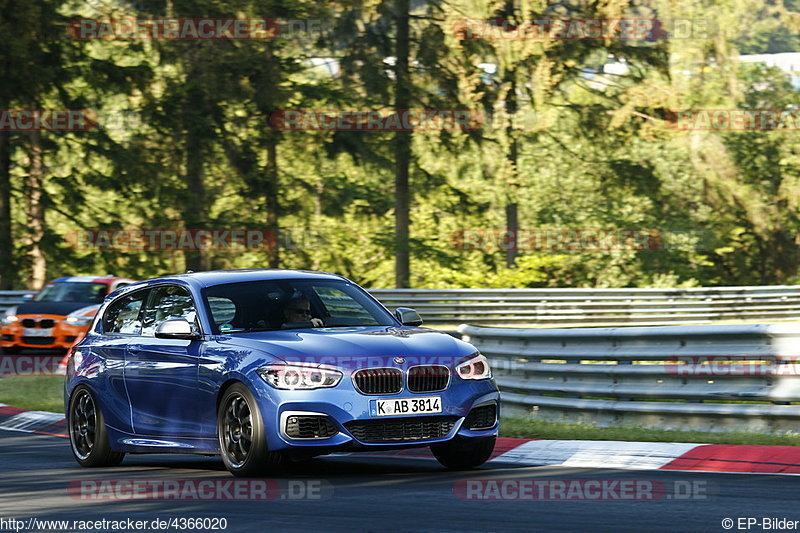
(482, 417)
(309, 427)
(419, 428)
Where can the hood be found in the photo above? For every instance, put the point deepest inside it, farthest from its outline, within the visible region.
(50, 308)
(357, 347)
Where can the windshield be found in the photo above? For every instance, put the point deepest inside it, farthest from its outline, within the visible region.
(73, 291)
(291, 304)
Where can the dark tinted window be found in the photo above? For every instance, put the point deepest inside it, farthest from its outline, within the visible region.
(122, 316)
(262, 305)
(73, 291)
(165, 303)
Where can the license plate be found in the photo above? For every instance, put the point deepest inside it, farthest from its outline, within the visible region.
(37, 332)
(405, 406)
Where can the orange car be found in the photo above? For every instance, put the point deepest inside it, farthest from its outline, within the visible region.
(59, 315)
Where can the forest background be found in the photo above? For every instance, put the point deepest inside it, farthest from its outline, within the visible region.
(567, 134)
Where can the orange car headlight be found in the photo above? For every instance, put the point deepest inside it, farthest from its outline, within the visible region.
(78, 321)
(7, 320)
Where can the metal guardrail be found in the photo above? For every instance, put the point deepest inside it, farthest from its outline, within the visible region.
(582, 307)
(11, 298)
(714, 378)
(597, 307)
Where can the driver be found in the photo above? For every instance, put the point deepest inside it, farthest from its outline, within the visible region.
(298, 310)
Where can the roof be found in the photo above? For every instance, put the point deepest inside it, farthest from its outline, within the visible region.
(217, 277)
(89, 279)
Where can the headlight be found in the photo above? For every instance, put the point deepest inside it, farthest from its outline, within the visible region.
(299, 377)
(78, 321)
(8, 319)
(474, 367)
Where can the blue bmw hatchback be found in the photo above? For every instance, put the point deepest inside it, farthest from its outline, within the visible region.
(268, 366)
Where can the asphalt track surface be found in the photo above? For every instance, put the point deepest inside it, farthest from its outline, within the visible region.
(382, 494)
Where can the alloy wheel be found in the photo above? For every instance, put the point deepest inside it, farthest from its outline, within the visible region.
(237, 430)
(83, 424)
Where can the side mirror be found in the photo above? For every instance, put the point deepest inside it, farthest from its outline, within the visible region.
(176, 328)
(27, 297)
(408, 316)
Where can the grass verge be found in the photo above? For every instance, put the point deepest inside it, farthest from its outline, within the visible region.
(37, 393)
(540, 429)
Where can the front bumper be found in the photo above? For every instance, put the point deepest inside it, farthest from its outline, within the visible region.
(348, 411)
(60, 336)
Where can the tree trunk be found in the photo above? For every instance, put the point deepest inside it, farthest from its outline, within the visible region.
(34, 198)
(512, 224)
(7, 270)
(269, 94)
(512, 230)
(273, 202)
(196, 124)
(194, 209)
(402, 142)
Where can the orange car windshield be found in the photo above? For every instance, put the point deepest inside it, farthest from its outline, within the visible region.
(73, 291)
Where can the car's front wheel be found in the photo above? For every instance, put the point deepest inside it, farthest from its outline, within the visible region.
(242, 438)
(462, 453)
(88, 436)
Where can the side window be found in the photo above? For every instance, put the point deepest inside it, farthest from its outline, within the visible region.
(122, 316)
(166, 303)
(223, 311)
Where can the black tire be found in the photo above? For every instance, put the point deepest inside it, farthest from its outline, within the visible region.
(10, 351)
(463, 454)
(242, 437)
(88, 436)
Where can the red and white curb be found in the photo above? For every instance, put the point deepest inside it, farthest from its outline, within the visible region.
(525, 452)
(46, 423)
(734, 458)
(598, 454)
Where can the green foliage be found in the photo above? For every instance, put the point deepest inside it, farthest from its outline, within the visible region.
(186, 140)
